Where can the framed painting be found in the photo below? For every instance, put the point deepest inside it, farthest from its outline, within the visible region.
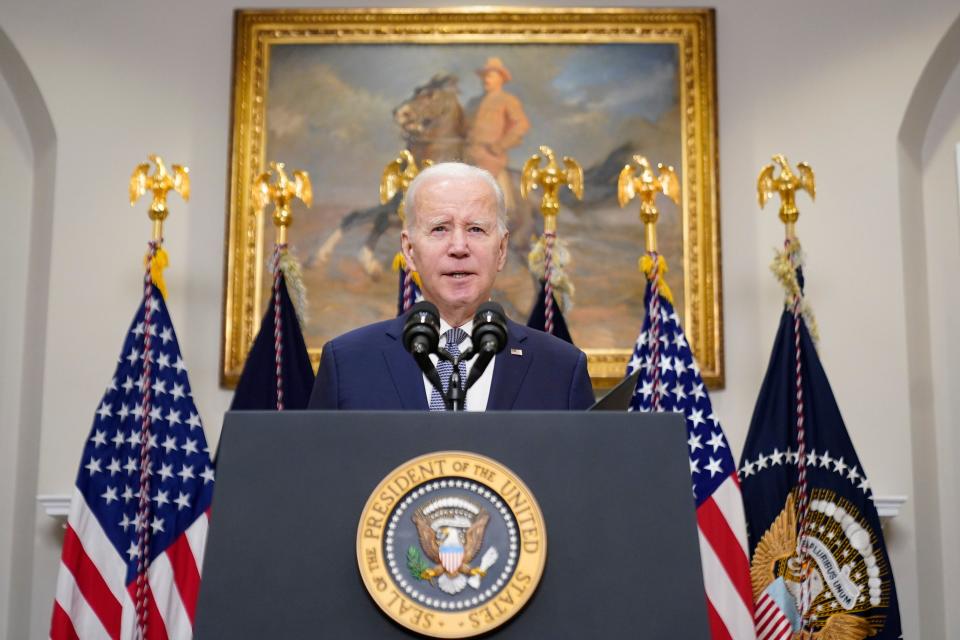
(340, 93)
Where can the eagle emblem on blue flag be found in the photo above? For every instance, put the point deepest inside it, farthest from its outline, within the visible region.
(846, 576)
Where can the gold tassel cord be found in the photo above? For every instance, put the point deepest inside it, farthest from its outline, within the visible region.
(784, 267)
(400, 262)
(646, 266)
(158, 263)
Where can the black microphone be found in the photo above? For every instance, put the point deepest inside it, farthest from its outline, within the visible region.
(421, 331)
(421, 337)
(489, 337)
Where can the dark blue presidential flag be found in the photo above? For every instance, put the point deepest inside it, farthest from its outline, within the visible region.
(538, 316)
(818, 560)
(265, 386)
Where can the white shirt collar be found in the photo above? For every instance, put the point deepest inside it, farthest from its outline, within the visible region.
(467, 327)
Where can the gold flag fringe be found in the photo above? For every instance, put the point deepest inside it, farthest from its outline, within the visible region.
(646, 266)
(158, 263)
(400, 262)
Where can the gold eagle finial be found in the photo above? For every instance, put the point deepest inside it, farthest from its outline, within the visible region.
(641, 182)
(281, 192)
(397, 176)
(786, 184)
(162, 181)
(551, 178)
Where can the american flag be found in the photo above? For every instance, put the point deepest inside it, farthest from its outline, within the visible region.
(132, 566)
(408, 292)
(670, 381)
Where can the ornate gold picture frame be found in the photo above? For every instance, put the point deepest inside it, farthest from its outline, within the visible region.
(322, 89)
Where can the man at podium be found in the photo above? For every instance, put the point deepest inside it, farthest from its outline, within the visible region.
(455, 237)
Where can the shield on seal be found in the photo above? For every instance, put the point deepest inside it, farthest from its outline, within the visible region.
(451, 556)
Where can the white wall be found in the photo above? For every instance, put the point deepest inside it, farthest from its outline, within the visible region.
(28, 151)
(122, 82)
(941, 218)
(16, 181)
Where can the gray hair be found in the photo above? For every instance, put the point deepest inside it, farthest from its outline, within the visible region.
(456, 170)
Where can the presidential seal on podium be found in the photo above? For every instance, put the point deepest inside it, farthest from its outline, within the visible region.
(451, 544)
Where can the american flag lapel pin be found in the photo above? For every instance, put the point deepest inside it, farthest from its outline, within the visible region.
(516, 352)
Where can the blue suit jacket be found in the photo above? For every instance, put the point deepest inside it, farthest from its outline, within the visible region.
(368, 368)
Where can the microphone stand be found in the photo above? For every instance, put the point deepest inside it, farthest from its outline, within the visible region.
(489, 338)
(455, 398)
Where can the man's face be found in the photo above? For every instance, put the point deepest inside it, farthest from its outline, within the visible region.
(454, 243)
(492, 80)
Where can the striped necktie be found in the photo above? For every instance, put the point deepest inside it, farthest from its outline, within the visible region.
(454, 337)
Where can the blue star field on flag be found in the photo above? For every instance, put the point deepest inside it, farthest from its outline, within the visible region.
(682, 390)
(181, 473)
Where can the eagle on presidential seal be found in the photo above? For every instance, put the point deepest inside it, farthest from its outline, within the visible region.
(844, 572)
(451, 533)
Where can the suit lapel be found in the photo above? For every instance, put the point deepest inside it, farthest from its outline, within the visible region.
(407, 377)
(510, 370)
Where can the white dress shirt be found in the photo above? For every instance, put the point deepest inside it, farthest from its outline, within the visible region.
(479, 393)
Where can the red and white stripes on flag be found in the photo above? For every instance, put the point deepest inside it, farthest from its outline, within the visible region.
(772, 623)
(723, 554)
(94, 599)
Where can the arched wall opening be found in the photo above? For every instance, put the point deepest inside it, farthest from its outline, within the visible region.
(929, 299)
(29, 161)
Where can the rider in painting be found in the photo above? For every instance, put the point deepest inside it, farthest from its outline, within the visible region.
(495, 123)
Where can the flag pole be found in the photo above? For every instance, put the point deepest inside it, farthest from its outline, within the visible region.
(788, 268)
(669, 380)
(160, 183)
(646, 185)
(149, 395)
(551, 178)
(281, 191)
(797, 513)
(396, 179)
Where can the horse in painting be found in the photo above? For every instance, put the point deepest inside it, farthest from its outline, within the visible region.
(431, 124)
